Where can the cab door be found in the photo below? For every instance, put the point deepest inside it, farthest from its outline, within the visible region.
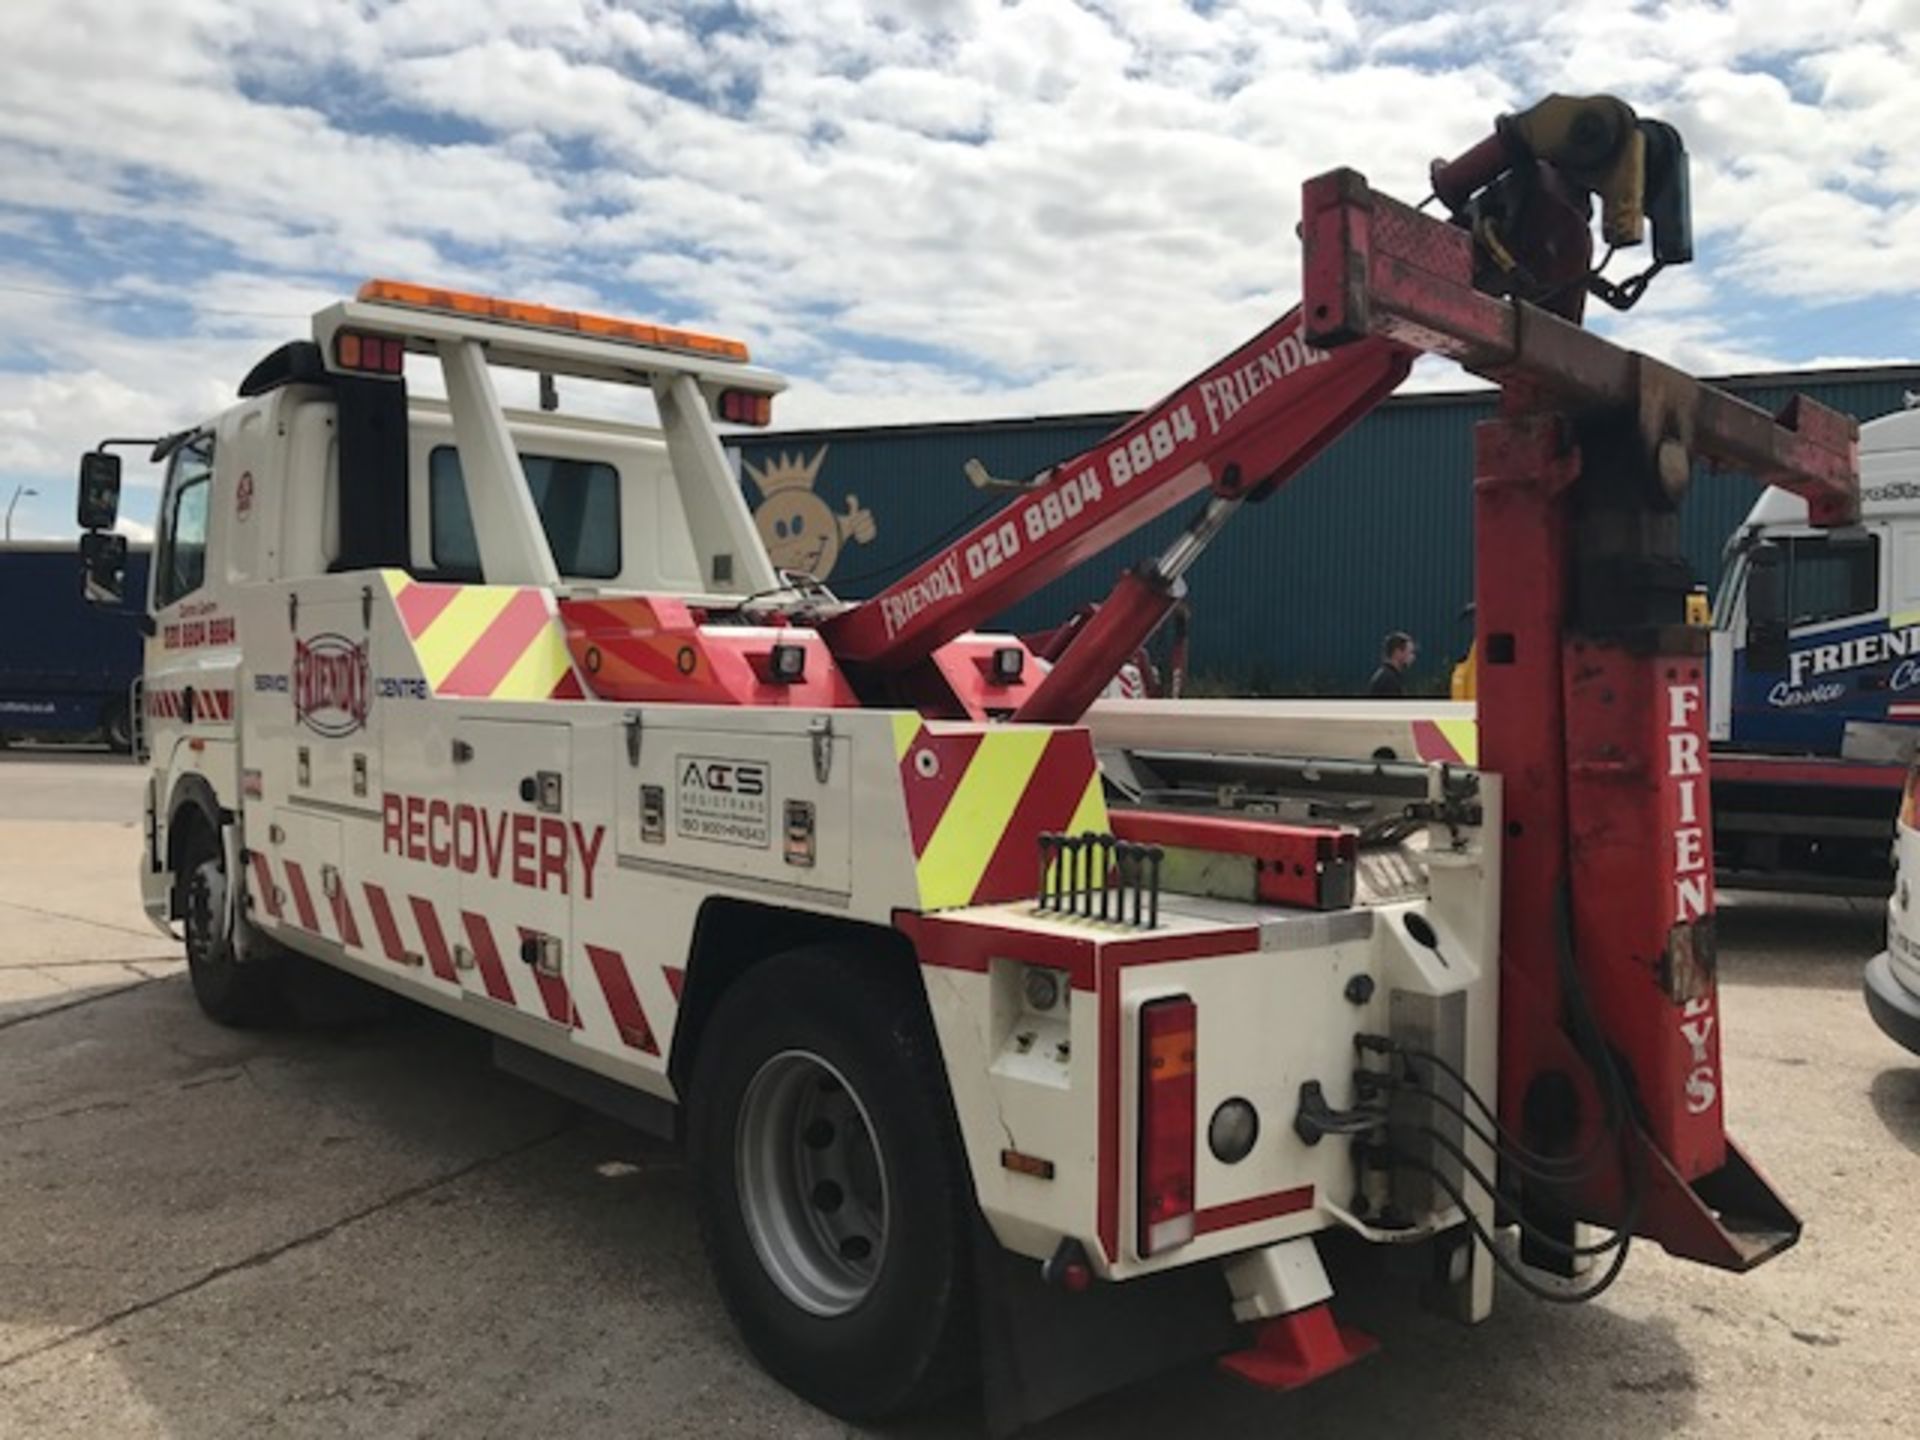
(510, 839)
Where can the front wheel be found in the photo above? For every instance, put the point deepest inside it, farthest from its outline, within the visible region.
(833, 1197)
(236, 991)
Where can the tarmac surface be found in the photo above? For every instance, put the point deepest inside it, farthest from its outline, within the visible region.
(357, 1228)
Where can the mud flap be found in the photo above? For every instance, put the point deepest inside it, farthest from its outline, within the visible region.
(1043, 1350)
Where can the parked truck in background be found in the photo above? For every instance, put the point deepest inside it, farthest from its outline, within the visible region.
(1815, 674)
(67, 668)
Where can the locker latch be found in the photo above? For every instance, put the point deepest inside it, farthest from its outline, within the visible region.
(820, 731)
(543, 953)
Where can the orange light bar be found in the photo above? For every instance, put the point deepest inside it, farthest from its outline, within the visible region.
(546, 317)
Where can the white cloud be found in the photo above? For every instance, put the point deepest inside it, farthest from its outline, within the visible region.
(920, 208)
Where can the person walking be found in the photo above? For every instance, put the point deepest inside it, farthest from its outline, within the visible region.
(1397, 654)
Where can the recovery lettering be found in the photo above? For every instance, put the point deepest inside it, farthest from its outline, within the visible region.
(532, 851)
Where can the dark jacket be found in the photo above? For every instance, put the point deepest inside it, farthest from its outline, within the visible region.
(1387, 684)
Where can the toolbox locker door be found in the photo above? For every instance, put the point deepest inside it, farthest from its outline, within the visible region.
(297, 876)
(334, 746)
(743, 805)
(511, 838)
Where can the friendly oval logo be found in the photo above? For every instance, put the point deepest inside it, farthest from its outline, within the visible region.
(332, 685)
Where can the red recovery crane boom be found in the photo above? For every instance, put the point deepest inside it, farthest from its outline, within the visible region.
(1236, 431)
(1593, 686)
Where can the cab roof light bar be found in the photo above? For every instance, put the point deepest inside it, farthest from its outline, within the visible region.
(546, 317)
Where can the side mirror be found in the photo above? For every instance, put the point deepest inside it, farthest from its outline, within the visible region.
(103, 559)
(1766, 609)
(99, 503)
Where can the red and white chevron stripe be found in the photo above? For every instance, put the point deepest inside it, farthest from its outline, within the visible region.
(610, 1000)
(210, 705)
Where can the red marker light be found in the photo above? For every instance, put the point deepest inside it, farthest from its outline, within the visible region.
(369, 354)
(745, 407)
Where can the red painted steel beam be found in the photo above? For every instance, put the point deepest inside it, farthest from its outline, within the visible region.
(1375, 268)
(1311, 866)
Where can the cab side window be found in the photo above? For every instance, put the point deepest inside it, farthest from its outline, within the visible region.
(180, 566)
(1832, 579)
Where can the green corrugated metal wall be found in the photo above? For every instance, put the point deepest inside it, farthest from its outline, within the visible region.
(1375, 535)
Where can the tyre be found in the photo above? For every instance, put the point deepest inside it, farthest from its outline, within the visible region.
(833, 1197)
(117, 729)
(230, 990)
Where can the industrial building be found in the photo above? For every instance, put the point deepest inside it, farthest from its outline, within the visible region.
(1375, 535)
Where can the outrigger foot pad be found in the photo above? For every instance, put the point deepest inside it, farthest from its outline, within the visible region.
(1289, 1351)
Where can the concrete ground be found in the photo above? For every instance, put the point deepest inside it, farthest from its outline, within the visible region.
(358, 1229)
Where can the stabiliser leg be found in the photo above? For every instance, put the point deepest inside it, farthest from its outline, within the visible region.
(1593, 706)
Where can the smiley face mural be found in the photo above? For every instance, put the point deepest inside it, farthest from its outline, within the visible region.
(801, 532)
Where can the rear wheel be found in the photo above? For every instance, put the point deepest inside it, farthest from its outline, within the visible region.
(117, 728)
(833, 1197)
(234, 991)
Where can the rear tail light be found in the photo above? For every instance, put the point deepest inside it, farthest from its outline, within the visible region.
(745, 407)
(1908, 796)
(1169, 1034)
(369, 354)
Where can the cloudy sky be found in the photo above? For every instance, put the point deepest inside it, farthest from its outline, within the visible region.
(915, 208)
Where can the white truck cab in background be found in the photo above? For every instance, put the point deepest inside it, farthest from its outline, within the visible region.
(1815, 678)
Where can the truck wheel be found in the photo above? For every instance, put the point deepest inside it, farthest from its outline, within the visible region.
(232, 991)
(832, 1194)
(118, 730)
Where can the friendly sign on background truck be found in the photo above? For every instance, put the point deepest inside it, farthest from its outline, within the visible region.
(1816, 645)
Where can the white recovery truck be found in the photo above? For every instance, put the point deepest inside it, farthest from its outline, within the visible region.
(980, 1061)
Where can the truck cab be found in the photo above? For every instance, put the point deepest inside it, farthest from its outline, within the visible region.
(328, 470)
(1816, 642)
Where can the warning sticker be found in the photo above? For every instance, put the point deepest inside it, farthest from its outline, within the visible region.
(723, 800)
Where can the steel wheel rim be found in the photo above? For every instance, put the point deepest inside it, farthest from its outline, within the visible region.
(812, 1185)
